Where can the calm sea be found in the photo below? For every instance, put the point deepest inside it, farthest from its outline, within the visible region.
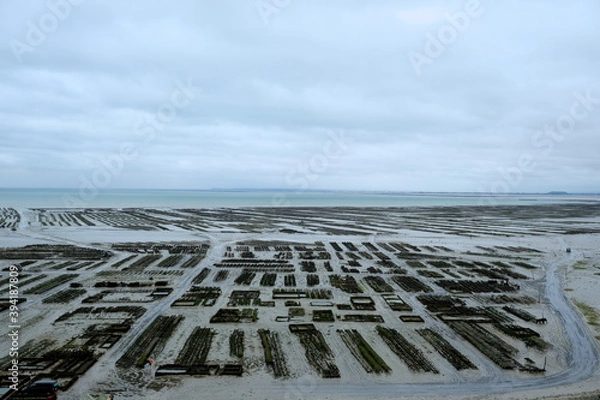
(58, 198)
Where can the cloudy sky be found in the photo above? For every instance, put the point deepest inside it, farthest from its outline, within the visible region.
(301, 94)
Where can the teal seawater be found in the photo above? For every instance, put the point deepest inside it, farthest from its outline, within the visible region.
(113, 198)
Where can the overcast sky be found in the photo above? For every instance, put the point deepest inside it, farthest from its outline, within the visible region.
(301, 94)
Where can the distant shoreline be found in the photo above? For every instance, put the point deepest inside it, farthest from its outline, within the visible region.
(128, 198)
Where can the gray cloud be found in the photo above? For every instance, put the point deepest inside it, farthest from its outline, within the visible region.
(266, 96)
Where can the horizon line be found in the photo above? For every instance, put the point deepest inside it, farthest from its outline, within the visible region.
(296, 191)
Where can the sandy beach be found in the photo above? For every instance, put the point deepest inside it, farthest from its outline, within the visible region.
(417, 303)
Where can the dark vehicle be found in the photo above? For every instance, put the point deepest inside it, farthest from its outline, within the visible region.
(45, 389)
